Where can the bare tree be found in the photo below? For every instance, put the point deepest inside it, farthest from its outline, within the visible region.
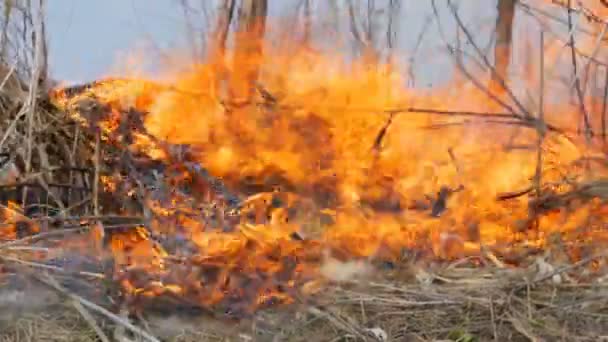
(225, 14)
(248, 47)
(394, 8)
(22, 36)
(362, 30)
(502, 47)
(307, 23)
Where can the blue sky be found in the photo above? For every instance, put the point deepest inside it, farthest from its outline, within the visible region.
(87, 37)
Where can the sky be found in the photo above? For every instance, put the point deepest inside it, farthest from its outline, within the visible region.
(90, 39)
(87, 38)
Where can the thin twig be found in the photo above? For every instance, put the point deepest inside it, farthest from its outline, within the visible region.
(514, 194)
(541, 118)
(493, 320)
(51, 267)
(90, 320)
(577, 84)
(33, 91)
(97, 170)
(596, 49)
(456, 165)
(563, 269)
(605, 105)
(382, 133)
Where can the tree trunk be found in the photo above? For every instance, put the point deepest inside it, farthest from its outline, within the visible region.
(502, 48)
(225, 13)
(306, 37)
(248, 48)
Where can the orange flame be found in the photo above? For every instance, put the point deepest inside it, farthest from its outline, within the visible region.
(367, 169)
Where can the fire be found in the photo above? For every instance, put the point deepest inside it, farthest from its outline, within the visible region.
(14, 224)
(330, 161)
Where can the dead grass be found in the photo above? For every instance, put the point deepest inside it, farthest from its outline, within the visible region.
(452, 303)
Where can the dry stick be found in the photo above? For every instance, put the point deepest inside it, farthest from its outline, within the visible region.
(541, 118)
(382, 133)
(605, 105)
(561, 270)
(588, 13)
(338, 322)
(529, 9)
(391, 34)
(50, 281)
(354, 29)
(456, 165)
(593, 73)
(588, 131)
(51, 267)
(12, 126)
(50, 193)
(596, 50)
(96, 175)
(514, 194)
(33, 238)
(493, 319)
(523, 328)
(74, 205)
(8, 75)
(96, 180)
(31, 102)
(490, 117)
(412, 59)
(225, 16)
(540, 128)
(38, 183)
(369, 29)
(71, 155)
(69, 229)
(90, 320)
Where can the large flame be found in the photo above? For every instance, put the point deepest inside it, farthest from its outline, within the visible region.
(336, 160)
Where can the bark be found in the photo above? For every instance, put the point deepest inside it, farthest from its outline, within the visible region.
(502, 48)
(225, 14)
(248, 48)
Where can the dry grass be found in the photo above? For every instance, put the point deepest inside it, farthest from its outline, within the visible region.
(454, 303)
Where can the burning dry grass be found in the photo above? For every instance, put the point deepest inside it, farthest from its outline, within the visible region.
(151, 211)
(530, 293)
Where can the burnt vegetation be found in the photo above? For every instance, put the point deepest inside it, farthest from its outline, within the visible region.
(277, 193)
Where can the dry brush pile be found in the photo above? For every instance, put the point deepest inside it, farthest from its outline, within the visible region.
(321, 205)
(93, 248)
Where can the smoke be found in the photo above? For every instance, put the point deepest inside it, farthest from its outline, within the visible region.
(20, 297)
